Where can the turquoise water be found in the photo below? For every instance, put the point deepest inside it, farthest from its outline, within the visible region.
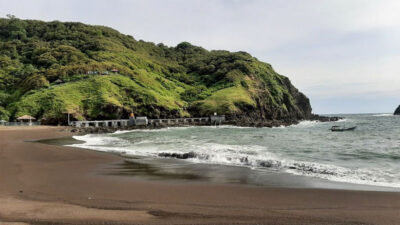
(370, 155)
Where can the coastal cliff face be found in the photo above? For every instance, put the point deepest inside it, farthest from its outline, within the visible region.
(51, 69)
(397, 111)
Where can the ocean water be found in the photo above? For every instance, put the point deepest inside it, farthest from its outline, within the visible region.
(370, 155)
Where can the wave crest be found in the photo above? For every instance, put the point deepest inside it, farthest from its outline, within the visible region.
(253, 156)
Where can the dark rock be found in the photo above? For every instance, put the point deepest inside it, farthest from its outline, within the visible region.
(178, 155)
(266, 164)
(325, 118)
(244, 160)
(269, 163)
(397, 111)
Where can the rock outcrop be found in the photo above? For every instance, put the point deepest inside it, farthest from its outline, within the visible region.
(397, 111)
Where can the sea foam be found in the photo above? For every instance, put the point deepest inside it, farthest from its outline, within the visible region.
(306, 149)
(383, 114)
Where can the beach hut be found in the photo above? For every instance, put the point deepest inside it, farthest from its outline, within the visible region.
(3, 122)
(26, 118)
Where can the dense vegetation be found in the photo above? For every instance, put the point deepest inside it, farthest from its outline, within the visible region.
(49, 69)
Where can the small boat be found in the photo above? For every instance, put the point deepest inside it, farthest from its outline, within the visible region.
(338, 128)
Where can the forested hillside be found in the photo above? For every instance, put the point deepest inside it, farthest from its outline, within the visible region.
(50, 69)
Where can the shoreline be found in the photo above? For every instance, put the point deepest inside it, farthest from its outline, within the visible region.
(40, 183)
(175, 168)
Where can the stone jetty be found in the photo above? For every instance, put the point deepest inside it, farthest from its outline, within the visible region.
(143, 121)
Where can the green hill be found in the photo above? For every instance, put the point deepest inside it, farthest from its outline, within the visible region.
(50, 69)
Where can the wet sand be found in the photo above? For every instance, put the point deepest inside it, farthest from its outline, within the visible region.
(46, 184)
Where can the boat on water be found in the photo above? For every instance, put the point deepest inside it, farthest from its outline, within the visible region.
(339, 128)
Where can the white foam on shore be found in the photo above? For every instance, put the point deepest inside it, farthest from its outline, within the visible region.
(123, 131)
(252, 156)
(99, 140)
(363, 176)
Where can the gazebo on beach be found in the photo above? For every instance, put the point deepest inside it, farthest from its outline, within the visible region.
(26, 118)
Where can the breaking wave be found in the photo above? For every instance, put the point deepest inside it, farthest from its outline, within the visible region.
(329, 172)
(252, 156)
(383, 114)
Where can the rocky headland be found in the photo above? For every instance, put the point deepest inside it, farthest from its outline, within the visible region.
(397, 111)
(55, 70)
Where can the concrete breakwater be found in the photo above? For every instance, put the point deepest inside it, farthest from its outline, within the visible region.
(105, 126)
(144, 122)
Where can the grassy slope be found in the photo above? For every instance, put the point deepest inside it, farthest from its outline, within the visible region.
(154, 80)
(106, 96)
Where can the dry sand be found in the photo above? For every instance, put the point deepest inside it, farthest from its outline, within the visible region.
(44, 184)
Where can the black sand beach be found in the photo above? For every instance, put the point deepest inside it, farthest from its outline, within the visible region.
(46, 184)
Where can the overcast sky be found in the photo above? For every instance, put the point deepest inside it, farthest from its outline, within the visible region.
(343, 54)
